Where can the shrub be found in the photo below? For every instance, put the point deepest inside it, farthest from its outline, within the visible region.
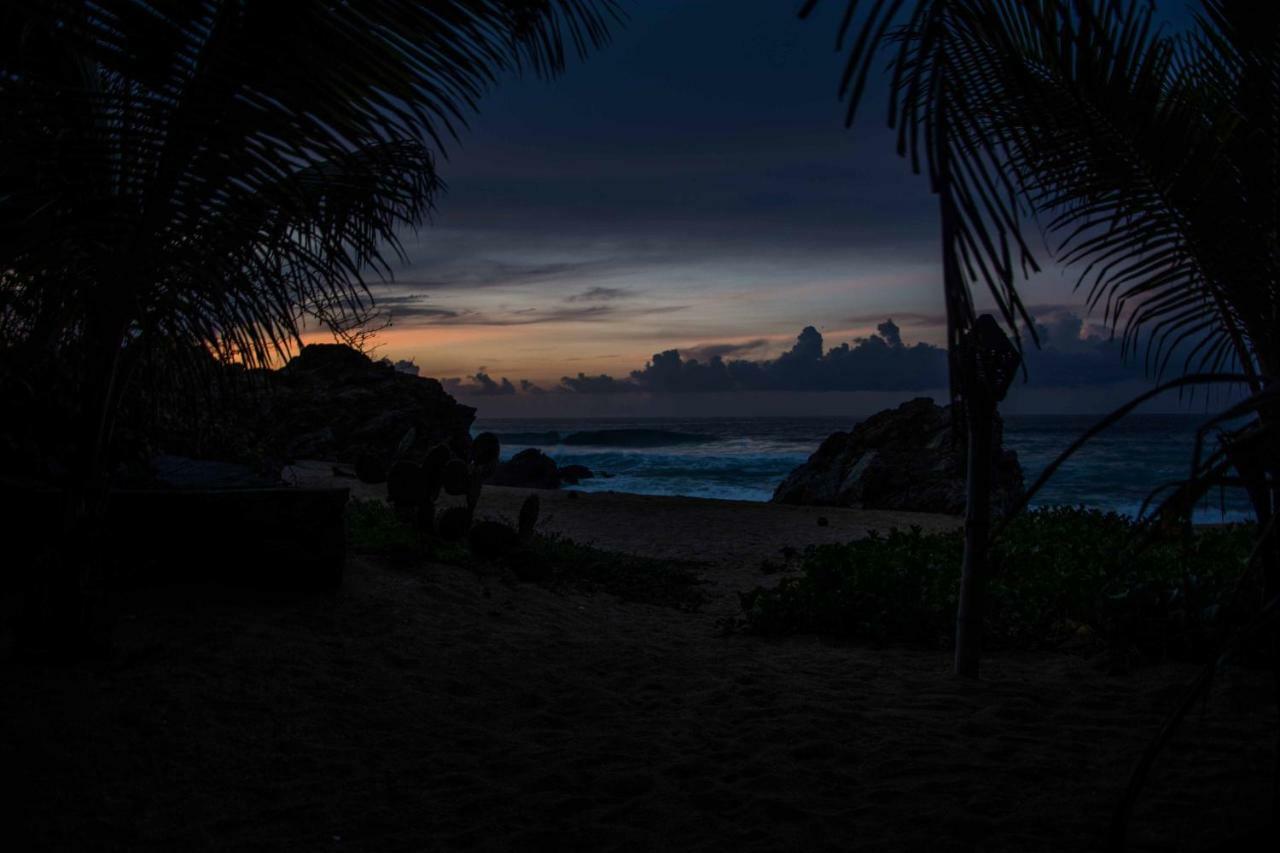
(374, 527)
(1060, 573)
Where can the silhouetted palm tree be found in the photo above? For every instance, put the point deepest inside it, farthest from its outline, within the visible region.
(214, 171)
(1151, 161)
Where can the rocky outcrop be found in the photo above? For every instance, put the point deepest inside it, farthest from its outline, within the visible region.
(573, 474)
(530, 469)
(906, 458)
(332, 402)
(533, 469)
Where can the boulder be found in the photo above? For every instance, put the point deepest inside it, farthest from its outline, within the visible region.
(531, 469)
(332, 402)
(574, 474)
(907, 458)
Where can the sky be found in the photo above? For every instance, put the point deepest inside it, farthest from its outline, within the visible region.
(692, 187)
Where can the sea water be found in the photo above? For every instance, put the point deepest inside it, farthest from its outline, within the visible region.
(746, 458)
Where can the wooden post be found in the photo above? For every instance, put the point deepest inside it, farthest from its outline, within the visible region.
(979, 414)
(982, 364)
(987, 362)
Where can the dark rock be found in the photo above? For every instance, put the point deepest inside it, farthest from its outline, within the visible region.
(907, 458)
(531, 469)
(574, 474)
(332, 402)
(823, 522)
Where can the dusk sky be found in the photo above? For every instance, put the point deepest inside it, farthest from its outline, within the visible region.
(692, 187)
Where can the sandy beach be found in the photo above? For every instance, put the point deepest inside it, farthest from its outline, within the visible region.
(429, 707)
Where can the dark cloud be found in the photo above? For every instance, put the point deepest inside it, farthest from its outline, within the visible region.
(880, 362)
(600, 294)
(890, 332)
(479, 273)
(481, 385)
(538, 316)
(406, 366)
(410, 306)
(602, 384)
(1070, 357)
(905, 317)
(1074, 354)
(706, 352)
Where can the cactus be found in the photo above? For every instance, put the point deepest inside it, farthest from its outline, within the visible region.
(414, 487)
(456, 477)
(528, 518)
(453, 523)
(433, 471)
(371, 467)
(404, 483)
(405, 445)
(490, 540)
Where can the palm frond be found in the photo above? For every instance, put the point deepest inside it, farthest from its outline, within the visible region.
(209, 168)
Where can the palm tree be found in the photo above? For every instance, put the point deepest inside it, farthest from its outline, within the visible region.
(1150, 160)
(213, 171)
(1147, 158)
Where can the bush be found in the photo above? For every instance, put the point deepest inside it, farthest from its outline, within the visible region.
(1058, 574)
(374, 528)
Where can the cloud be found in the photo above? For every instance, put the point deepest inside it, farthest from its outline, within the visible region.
(602, 384)
(597, 304)
(706, 352)
(540, 316)
(478, 273)
(411, 306)
(406, 366)
(482, 385)
(890, 332)
(600, 294)
(1072, 355)
(880, 362)
(908, 318)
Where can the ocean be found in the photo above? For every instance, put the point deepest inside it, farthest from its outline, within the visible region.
(746, 458)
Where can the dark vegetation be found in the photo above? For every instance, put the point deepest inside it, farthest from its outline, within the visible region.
(176, 185)
(1146, 156)
(418, 526)
(375, 528)
(1065, 578)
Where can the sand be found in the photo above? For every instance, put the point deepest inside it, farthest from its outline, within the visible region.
(430, 708)
(731, 536)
